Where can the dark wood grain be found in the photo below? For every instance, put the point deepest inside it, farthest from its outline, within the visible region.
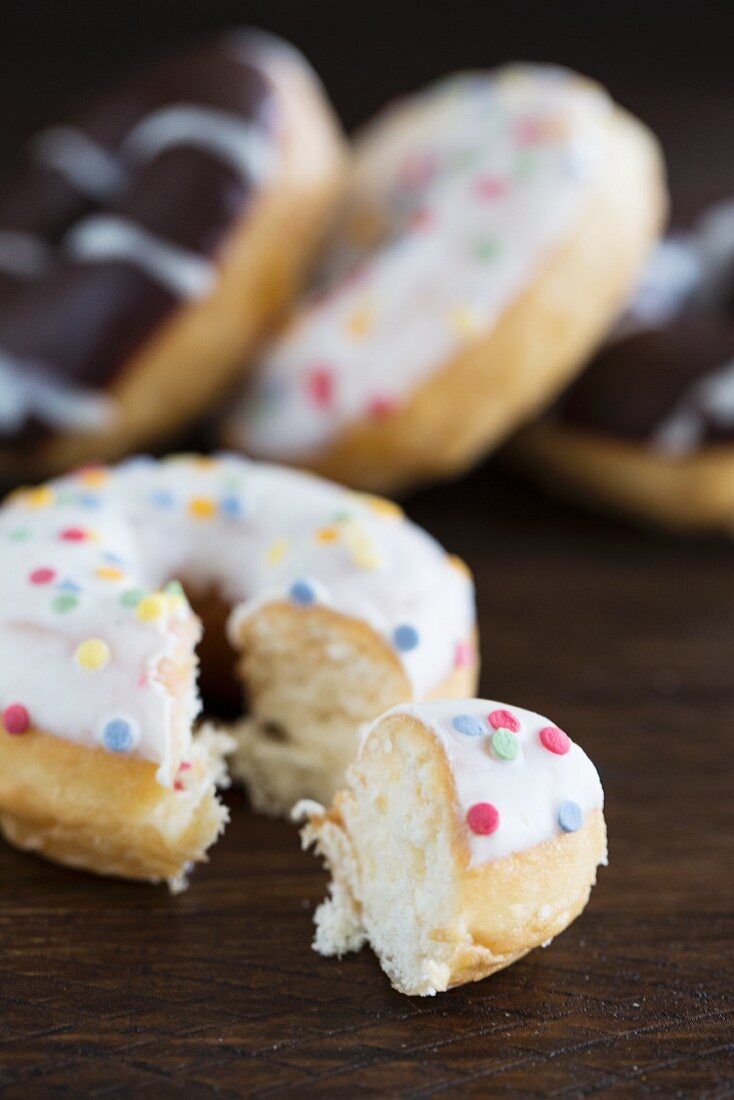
(622, 636)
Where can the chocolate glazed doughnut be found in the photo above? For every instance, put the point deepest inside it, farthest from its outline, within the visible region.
(649, 427)
(146, 244)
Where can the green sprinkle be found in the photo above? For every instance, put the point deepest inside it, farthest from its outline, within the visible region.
(20, 534)
(504, 744)
(174, 588)
(64, 602)
(132, 597)
(525, 165)
(486, 248)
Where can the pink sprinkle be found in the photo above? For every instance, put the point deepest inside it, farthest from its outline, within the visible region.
(464, 656)
(42, 576)
(416, 171)
(489, 187)
(185, 766)
(422, 219)
(16, 718)
(320, 386)
(530, 131)
(73, 534)
(483, 818)
(178, 785)
(503, 720)
(381, 407)
(555, 740)
(143, 680)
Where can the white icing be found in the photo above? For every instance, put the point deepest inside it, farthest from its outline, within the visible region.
(226, 136)
(27, 391)
(470, 186)
(709, 400)
(23, 254)
(83, 163)
(103, 237)
(527, 791)
(261, 536)
(672, 275)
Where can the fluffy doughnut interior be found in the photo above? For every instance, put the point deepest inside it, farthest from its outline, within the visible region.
(394, 844)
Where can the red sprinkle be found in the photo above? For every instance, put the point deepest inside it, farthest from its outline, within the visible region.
(73, 534)
(380, 407)
(16, 718)
(555, 740)
(178, 785)
(489, 187)
(320, 385)
(42, 576)
(185, 766)
(503, 720)
(464, 656)
(483, 818)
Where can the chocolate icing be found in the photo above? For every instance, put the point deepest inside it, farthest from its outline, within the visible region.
(81, 320)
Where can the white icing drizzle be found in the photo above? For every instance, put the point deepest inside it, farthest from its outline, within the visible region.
(23, 254)
(528, 791)
(27, 391)
(710, 399)
(83, 163)
(672, 275)
(226, 136)
(464, 190)
(249, 530)
(103, 237)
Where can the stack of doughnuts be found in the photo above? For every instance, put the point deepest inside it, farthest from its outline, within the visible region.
(468, 832)
(493, 227)
(146, 244)
(339, 608)
(648, 428)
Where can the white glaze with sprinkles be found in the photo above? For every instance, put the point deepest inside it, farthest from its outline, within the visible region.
(529, 792)
(85, 558)
(459, 196)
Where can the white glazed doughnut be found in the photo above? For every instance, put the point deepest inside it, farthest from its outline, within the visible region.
(468, 833)
(147, 244)
(339, 607)
(494, 227)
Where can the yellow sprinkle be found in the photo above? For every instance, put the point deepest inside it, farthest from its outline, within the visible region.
(360, 323)
(366, 557)
(202, 507)
(464, 321)
(110, 573)
(277, 551)
(327, 534)
(94, 477)
(205, 462)
(362, 548)
(459, 564)
(93, 654)
(41, 497)
(152, 607)
(381, 505)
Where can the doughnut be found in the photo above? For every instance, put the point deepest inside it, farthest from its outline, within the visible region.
(147, 243)
(338, 607)
(648, 428)
(467, 833)
(494, 226)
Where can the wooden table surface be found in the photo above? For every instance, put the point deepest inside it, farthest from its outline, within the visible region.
(623, 637)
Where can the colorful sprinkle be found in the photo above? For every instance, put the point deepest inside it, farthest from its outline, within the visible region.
(42, 497)
(277, 551)
(68, 585)
(327, 534)
(163, 498)
(360, 323)
(320, 387)
(64, 602)
(464, 321)
(483, 818)
(505, 744)
(20, 534)
(490, 187)
(464, 655)
(16, 719)
(89, 500)
(93, 654)
(42, 576)
(202, 508)
(73, 534)
(151, 608)
(381, 505)
(110, 573)
(486, 248)
(232, 507)
(380, 407)
(301, 592)
(468, 724)
(405, 638)
(555, 740)
(131, 597)
(119, 734)
(570, 816)
(93, 476)
(504, 720)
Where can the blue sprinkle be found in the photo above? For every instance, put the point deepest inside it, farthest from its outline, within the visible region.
(90, 500)
(115, 559)
(68, 585)
(405, 638)
(162, 498)
(232, 507)
(570, 817)
(301, 592)
(468, 724)
(117, 735)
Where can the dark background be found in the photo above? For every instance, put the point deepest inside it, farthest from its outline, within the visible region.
(623, 636)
